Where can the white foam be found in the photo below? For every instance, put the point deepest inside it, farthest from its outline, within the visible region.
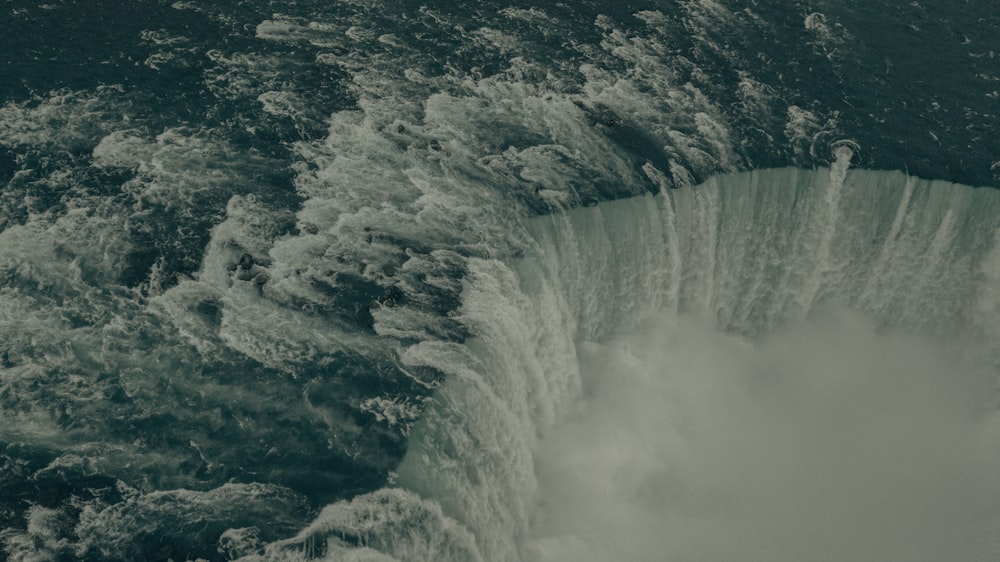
(178, 168)
(389, 520)
(830, 36)
(533, 15)
(809, 133)
(64, 120)
(112, 530)
(40, 541)
(292, 30)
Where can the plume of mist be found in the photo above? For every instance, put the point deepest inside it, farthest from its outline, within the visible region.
(826, 440)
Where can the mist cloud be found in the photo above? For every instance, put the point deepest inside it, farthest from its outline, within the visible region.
(827, 440)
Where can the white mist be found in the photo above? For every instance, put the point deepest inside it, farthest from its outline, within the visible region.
(825, 440)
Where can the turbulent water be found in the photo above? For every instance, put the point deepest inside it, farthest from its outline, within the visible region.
(472, 281)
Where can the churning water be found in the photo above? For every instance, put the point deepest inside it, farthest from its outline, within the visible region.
(426, 281)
